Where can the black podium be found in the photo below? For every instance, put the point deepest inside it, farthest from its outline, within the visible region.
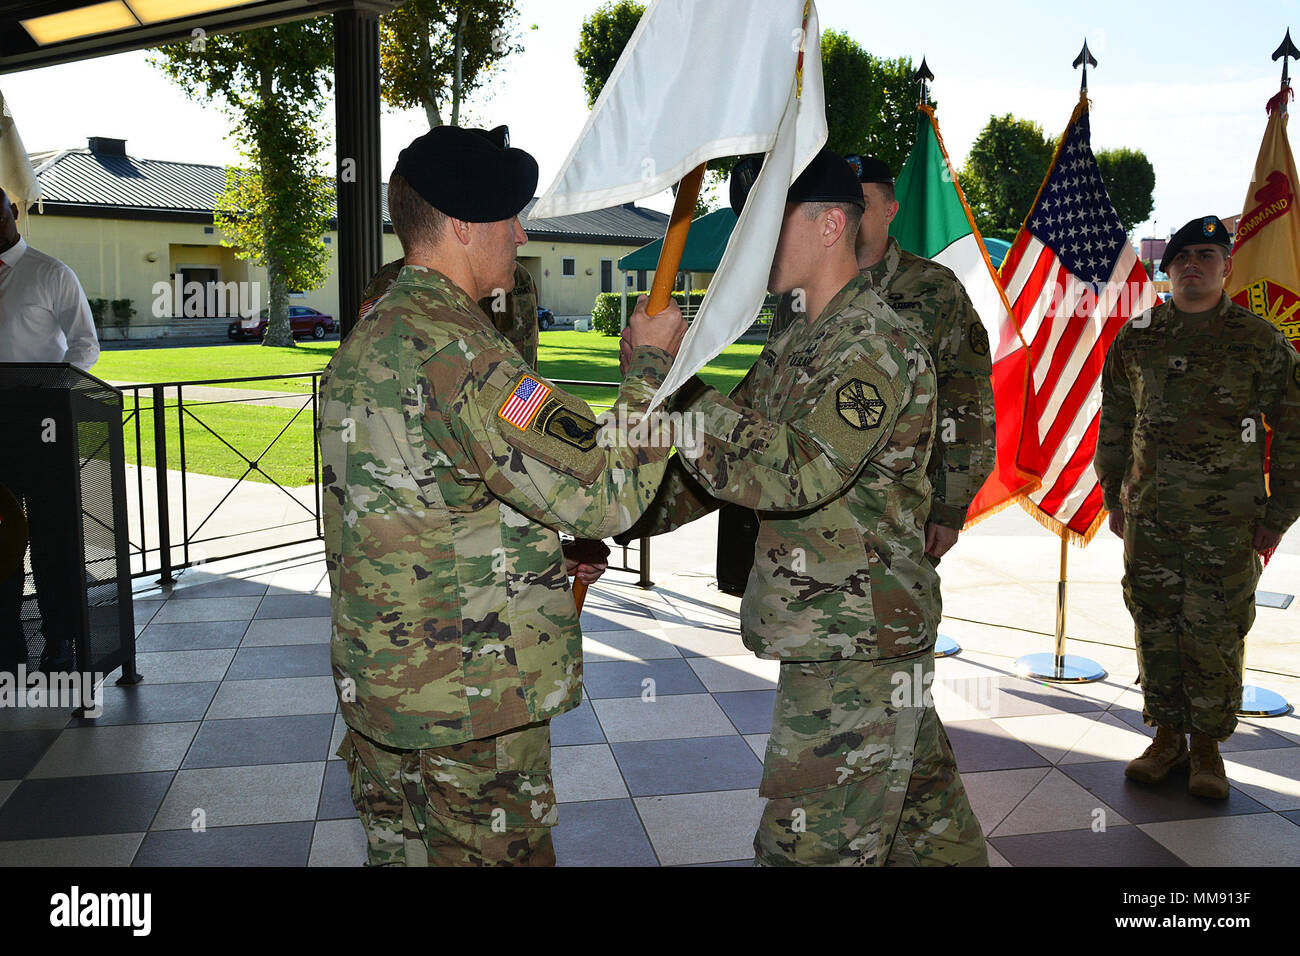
(67, 607)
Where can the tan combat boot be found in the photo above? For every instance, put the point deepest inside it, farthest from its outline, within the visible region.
(1167, 751)
(1207, 777)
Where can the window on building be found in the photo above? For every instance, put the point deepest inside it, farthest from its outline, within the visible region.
(606, 275)
(568, 267)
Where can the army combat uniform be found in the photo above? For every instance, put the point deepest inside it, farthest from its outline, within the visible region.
(449, 465)
(514, 314)
(828, 438)
(1181, 453)
(932, 304)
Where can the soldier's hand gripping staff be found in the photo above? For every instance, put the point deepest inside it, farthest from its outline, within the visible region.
(449, 467)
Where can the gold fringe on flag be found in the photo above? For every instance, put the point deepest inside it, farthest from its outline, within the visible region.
(1058, 528)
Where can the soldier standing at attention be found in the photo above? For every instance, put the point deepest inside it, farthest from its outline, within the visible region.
(932, 303)
(448, 467)
(828, 438)
(1180, 457)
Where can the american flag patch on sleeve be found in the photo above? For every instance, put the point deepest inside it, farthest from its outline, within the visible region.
(522, 405)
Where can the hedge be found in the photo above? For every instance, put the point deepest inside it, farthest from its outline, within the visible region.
(605, 312)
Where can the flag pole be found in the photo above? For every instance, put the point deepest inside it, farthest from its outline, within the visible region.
(679, 225)
(1260, 701)
(944, 646)
(1059, 667)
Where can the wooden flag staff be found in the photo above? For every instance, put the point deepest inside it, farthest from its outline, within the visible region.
(670, 255)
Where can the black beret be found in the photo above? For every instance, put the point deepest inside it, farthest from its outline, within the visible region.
(743, 175)
(828, 178)
(469, 174)
(870, 169)
(500, 135)
(1204, 231)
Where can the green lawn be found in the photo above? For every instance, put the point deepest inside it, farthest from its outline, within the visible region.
(562, 354)
(249, 428)
(237, 360)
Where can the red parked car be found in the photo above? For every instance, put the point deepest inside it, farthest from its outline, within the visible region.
(302, 321)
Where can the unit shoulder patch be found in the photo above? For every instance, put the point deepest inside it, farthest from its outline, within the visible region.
(859, 404)
(855, 413)
(567, 425)
(550, 426)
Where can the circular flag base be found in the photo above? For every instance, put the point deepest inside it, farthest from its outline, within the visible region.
(945, 646)
(1075, 670)
(1258, 702)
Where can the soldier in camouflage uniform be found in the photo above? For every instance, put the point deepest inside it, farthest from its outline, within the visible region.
(828, 438)
(933, 304)
(1180, 458)
(514, 314)
(448, 467)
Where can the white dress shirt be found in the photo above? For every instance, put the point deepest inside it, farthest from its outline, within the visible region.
(44, 315)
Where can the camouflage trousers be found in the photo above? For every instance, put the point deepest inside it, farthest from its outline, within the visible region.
(859, 771)
(480, 803)
(1191, 592)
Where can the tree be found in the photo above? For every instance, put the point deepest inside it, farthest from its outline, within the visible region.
(1131, 182)
(601, 41)
(434, 50)
(271, 83)
(870, 101)
(1003, 171)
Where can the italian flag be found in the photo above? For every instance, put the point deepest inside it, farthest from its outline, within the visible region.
(934, 221)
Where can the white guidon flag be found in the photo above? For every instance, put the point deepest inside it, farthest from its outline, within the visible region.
(700, 81)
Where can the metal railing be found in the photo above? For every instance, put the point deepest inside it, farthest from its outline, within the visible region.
(188, 540)
(161, 558)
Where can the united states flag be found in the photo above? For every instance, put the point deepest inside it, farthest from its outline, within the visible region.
(524, 402)
(1073, 280)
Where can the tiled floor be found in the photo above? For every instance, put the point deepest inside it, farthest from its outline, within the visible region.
(224, 755)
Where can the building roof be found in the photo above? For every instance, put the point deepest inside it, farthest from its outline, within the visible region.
(627, 223)
(106, 182)
(706, 244)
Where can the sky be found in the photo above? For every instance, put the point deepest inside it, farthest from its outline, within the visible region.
(1185, 84)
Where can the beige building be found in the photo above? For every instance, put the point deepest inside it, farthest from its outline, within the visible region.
(142, 230)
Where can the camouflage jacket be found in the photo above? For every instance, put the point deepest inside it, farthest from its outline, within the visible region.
(514, 313)
(1181, 439)
(828, 438)
(932, 304)
(449, 466)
